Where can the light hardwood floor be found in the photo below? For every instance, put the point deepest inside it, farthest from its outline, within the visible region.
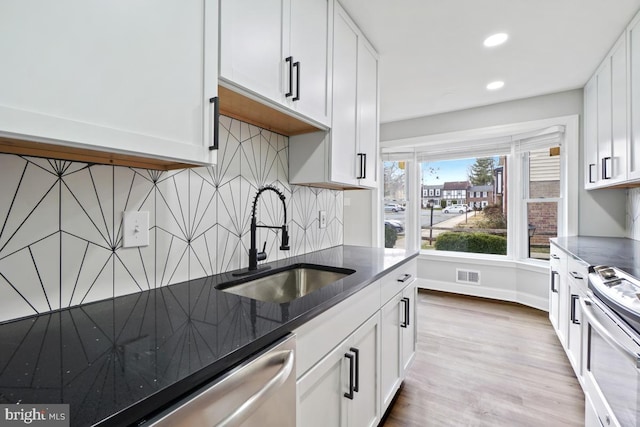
(481, 362)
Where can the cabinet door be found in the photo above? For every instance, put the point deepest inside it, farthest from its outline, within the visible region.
(114, 76)
(591, 169)
(367, 114)
(409, 332)
(604, 122)
(618, 152)
(364, 411)
(574, 338)
(391, 367)
(555, 277)
(251, 44)
(633, 33)
(309, 46)
(343, 130)
(321, 400)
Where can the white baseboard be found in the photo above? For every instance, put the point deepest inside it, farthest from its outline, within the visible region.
(485, 292)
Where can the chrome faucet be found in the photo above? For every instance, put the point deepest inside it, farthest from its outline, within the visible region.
(254, 255)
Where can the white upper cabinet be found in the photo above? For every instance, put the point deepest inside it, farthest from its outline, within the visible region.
(311, 29)
(251, 45)
(633, 33)
(591, 171)
(278, 51)
(368, 113)
(345, 96)
(347, 156)
(132, 78)
(605, 120)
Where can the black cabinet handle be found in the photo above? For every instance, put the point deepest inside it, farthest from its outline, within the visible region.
(215, 122)
(289, 59)
(554, 256)
(297, 67)
(404, 278)
(574, 298)
(405, 320)
(350, 356)
(407, 311)
(360, 176)
(576, 275)
(357, 369)
(606, 168)
(591, 168)
(553, 281)
(364, 167)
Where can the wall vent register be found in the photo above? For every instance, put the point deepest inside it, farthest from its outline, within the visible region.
(467, 276)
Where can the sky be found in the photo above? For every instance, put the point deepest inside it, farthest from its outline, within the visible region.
(447, 171)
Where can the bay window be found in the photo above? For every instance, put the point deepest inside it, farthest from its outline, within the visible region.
(498, 197)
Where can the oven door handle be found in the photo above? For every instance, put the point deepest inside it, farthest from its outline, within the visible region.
(602, 330)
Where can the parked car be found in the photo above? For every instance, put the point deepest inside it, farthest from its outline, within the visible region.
(393, 207)
(397, 225)
(456, 209)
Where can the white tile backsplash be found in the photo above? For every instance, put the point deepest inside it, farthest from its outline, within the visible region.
(60, 235)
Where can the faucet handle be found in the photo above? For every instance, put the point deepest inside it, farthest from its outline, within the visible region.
(284, 245)
(262, 255)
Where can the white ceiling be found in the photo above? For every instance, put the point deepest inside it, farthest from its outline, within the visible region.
(432, 59)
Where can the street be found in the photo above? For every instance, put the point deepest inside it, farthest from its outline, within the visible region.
(425, 217)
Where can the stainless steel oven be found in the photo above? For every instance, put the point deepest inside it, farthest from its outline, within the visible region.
(612, 376)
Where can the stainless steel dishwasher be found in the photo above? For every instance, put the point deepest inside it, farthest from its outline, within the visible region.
(259, 392)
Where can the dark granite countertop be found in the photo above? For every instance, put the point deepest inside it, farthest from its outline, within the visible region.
(116, 361)
(613, 251)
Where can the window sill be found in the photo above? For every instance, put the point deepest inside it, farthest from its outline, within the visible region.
(486, 259)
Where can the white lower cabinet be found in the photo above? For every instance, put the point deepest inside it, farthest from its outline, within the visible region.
(558, 298)
(576, 286)
(353, 357)
(590, 416)
(342, 389)
(398, 341)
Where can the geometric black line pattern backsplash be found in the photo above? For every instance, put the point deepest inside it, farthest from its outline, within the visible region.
(60, 222)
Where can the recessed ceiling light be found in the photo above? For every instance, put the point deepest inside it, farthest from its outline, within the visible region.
(496, 39)
(495, 85)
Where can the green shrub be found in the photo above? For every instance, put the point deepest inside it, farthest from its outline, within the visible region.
(390, 236)
(493, 217)
(482, 243)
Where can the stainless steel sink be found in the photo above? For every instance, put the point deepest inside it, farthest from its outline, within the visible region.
(284, 285)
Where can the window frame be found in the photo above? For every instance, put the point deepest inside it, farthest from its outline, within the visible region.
(567, 221)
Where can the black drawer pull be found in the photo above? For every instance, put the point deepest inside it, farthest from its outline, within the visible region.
(576, 275)
(404, 278)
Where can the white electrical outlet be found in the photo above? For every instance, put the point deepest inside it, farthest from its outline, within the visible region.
(322, 219)
(135, 229)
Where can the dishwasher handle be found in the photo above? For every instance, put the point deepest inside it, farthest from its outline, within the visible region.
(190, 412)
(246, 409)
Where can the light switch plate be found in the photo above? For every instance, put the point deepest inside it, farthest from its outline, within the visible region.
(135, 229)
(322, 219)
